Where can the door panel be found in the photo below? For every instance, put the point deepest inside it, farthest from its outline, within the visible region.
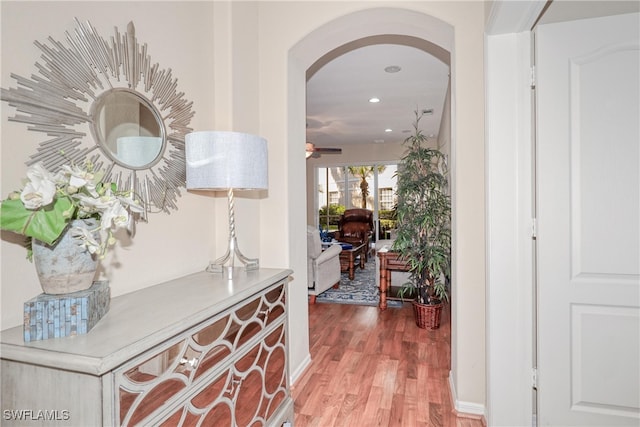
(588, 157)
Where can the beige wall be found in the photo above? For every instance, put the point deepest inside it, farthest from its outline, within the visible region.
(444, 133)
(179, 36)
(319, 27)
(243, 65)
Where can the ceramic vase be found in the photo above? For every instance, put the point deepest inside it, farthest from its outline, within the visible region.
(66, 266)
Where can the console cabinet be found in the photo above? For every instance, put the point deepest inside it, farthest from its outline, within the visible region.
(199, 350)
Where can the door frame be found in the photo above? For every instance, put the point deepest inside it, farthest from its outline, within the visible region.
(509, 183)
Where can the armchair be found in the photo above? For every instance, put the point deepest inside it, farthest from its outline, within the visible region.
(323, 267)
(356, 226)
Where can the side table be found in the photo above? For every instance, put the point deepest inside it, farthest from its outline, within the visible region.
(389, 261)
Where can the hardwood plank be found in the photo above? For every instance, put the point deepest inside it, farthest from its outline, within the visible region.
(348, 412)
(397, 407)
(375, 368)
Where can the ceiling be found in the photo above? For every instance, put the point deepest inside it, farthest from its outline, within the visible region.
(338, 107)
(338, 92)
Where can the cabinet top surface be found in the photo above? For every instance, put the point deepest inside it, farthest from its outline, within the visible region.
(140, 320)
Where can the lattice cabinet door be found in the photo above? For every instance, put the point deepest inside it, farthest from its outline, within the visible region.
(231, 369)
(247, 394)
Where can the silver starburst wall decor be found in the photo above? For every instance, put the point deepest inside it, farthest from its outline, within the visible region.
(105, 101)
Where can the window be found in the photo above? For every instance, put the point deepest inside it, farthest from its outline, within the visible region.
(359, 186)
(330, 197)
(334, 198)
(386, 199)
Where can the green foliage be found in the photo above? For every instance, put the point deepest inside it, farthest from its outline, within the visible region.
(45, 224)
(424, 218)
(387, 219)
(333, 210)
(387, 224)
(390, 215)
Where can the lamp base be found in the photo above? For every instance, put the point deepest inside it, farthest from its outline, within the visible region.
(218, 265)
(213, 267)
(227, 260)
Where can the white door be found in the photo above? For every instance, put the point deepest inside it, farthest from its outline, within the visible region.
(588, 163)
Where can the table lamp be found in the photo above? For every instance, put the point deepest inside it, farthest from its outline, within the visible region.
(218, 160)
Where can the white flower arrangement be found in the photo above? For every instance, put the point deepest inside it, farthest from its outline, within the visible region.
(48, 202)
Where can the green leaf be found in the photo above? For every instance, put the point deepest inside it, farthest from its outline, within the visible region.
(45, 224)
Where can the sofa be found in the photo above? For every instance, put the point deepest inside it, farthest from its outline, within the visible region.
(323, 266)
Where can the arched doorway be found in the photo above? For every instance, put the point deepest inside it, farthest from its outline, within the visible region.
(372, 24)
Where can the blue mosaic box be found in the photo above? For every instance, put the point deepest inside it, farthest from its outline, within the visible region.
(55, 316)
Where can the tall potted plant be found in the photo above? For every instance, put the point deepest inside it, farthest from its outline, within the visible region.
(424, 227)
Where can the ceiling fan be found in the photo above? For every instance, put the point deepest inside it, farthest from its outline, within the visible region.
(314, 151)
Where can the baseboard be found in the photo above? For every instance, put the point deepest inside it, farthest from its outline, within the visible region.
(466, 409)
(300, 369)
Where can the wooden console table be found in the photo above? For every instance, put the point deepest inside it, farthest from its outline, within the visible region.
(389, 261)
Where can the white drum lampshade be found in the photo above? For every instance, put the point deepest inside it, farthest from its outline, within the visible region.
(223, 160)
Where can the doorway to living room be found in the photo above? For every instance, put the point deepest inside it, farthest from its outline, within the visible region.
(455, 29)
(467, 374)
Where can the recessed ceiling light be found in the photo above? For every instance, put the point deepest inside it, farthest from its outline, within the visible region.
(406, 131)
(374, 100)
(392, 69)
(378, 141)
(388, 130)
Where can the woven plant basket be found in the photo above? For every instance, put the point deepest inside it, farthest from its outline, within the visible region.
(428, 315)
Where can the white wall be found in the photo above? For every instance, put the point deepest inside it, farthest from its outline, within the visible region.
(179, 36)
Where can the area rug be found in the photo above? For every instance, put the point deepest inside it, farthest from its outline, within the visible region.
(361, 290)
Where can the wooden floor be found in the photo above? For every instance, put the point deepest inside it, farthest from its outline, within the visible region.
(375, 368)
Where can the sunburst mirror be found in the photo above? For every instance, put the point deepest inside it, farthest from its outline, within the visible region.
(106, 102)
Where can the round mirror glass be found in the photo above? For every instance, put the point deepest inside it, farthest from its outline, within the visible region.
(128, 128)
